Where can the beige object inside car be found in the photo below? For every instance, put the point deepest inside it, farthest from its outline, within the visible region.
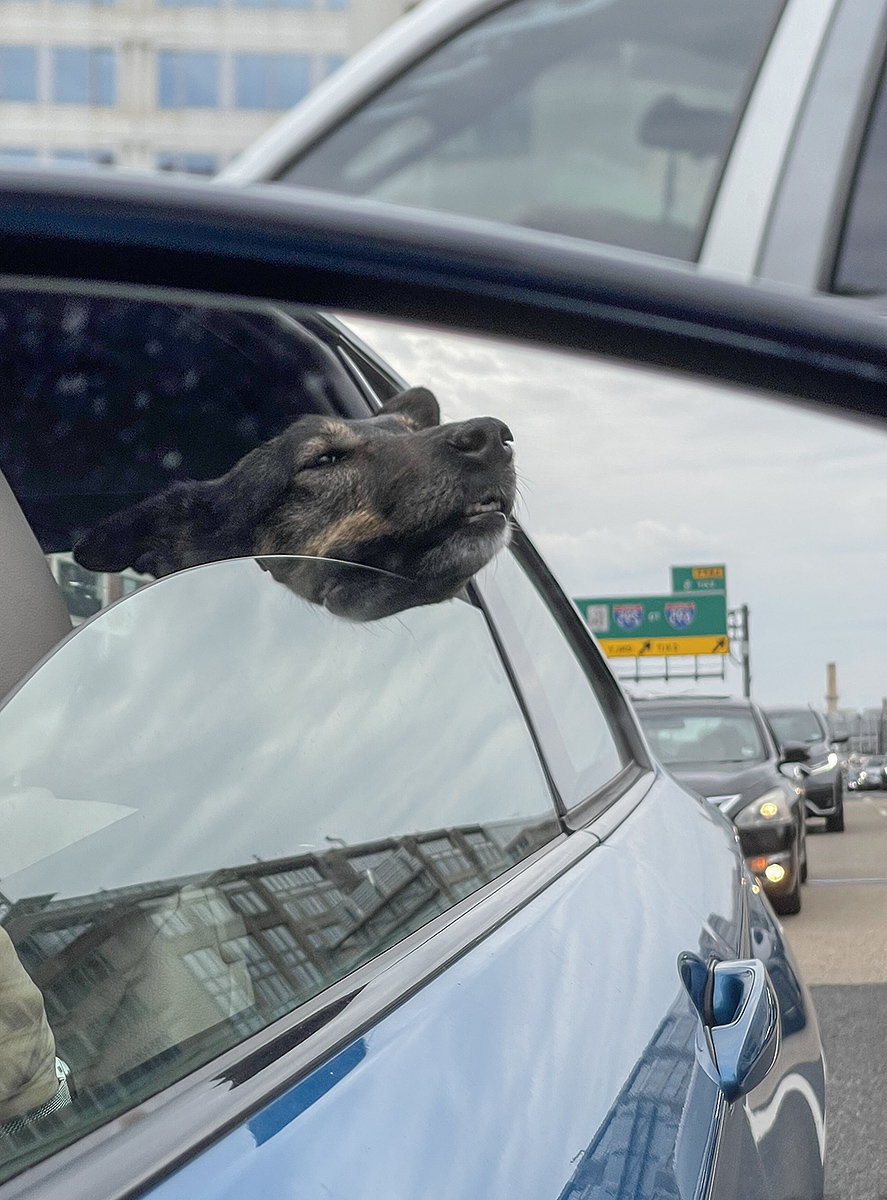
(33, 616)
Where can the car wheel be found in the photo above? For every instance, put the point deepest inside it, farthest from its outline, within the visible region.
(835, 823)
(789, 903)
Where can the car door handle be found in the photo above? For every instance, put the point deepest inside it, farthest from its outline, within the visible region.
(739, 1011)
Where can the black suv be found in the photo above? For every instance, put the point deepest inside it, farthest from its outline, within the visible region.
(824, 783)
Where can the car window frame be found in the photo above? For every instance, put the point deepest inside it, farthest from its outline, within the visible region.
(821, 162)
(624, 728)
(874, 100)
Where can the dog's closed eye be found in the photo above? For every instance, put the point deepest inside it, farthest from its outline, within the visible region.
(327, 459)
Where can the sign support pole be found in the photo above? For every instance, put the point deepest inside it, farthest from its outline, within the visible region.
(746, 654)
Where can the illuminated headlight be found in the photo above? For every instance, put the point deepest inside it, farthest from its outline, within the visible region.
(831, 761)
(775, 873)
(768, 809)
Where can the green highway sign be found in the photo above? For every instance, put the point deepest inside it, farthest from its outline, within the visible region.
(633, 626)
(699, 579)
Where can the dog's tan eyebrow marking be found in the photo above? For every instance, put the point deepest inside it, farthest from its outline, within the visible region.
(336, 437)
(357, 526)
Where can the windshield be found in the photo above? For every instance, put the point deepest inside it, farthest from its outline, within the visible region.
(680, 739)
(219, 799)
(798, 725)
(604, 119)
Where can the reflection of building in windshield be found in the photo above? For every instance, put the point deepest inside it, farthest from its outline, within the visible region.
(146, 982)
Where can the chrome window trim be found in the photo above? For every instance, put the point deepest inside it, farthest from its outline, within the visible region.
(742, 206)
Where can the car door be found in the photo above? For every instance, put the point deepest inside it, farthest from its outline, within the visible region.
(692, 859)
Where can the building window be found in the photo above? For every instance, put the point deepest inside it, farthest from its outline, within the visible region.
(191, 164)
(84, 75)
(86, 158)
(188, 79)
(17, 154)
(337, 5)
(303, 4)
(271, 80)
(18, 72)
(189, 3)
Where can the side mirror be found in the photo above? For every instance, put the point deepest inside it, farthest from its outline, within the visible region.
(795, 752)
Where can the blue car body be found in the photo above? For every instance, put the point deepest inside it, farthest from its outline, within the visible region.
(561, 1057)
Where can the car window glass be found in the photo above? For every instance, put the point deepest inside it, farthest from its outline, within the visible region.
(219, 798)
(799, 725)
(677, 738)
(606, 120)
(861, 266)
(567, 713)
(109, 398)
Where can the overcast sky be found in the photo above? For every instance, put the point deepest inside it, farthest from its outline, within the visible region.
(626, 472)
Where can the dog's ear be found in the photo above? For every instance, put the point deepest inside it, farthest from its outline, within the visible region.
(141, 536)
(193, 522)
(418, 404)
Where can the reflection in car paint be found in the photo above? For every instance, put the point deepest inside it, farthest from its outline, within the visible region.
(291, 1104)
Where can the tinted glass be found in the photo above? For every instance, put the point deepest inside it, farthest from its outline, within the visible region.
(607, 120)
(796, 725)
(219, 799)
(861, 267)
(109, 400)
(678, 738)
(566, 711)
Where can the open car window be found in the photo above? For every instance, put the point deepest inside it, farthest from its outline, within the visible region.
(607, 120)
(218, 799)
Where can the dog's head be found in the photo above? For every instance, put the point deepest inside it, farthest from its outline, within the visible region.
(397, 491)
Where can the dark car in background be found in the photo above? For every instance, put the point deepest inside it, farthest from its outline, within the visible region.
(868, 775)
(823, 777)
(723, 750)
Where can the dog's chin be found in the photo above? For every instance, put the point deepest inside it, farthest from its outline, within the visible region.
(463, 552)
(435, 575)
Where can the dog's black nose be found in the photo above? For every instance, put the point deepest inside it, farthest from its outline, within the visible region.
(484, 439)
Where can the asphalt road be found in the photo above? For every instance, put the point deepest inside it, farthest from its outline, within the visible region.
(840, 941)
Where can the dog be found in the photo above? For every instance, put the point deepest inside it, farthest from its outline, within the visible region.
(424, 505)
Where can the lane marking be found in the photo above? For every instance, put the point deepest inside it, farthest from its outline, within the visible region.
(834, 881)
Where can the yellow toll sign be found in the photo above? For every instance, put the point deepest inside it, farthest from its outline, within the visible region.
(642, 647)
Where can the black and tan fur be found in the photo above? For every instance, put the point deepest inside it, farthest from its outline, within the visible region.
(397, 491)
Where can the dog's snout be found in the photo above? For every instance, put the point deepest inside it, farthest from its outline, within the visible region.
(483, 439)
